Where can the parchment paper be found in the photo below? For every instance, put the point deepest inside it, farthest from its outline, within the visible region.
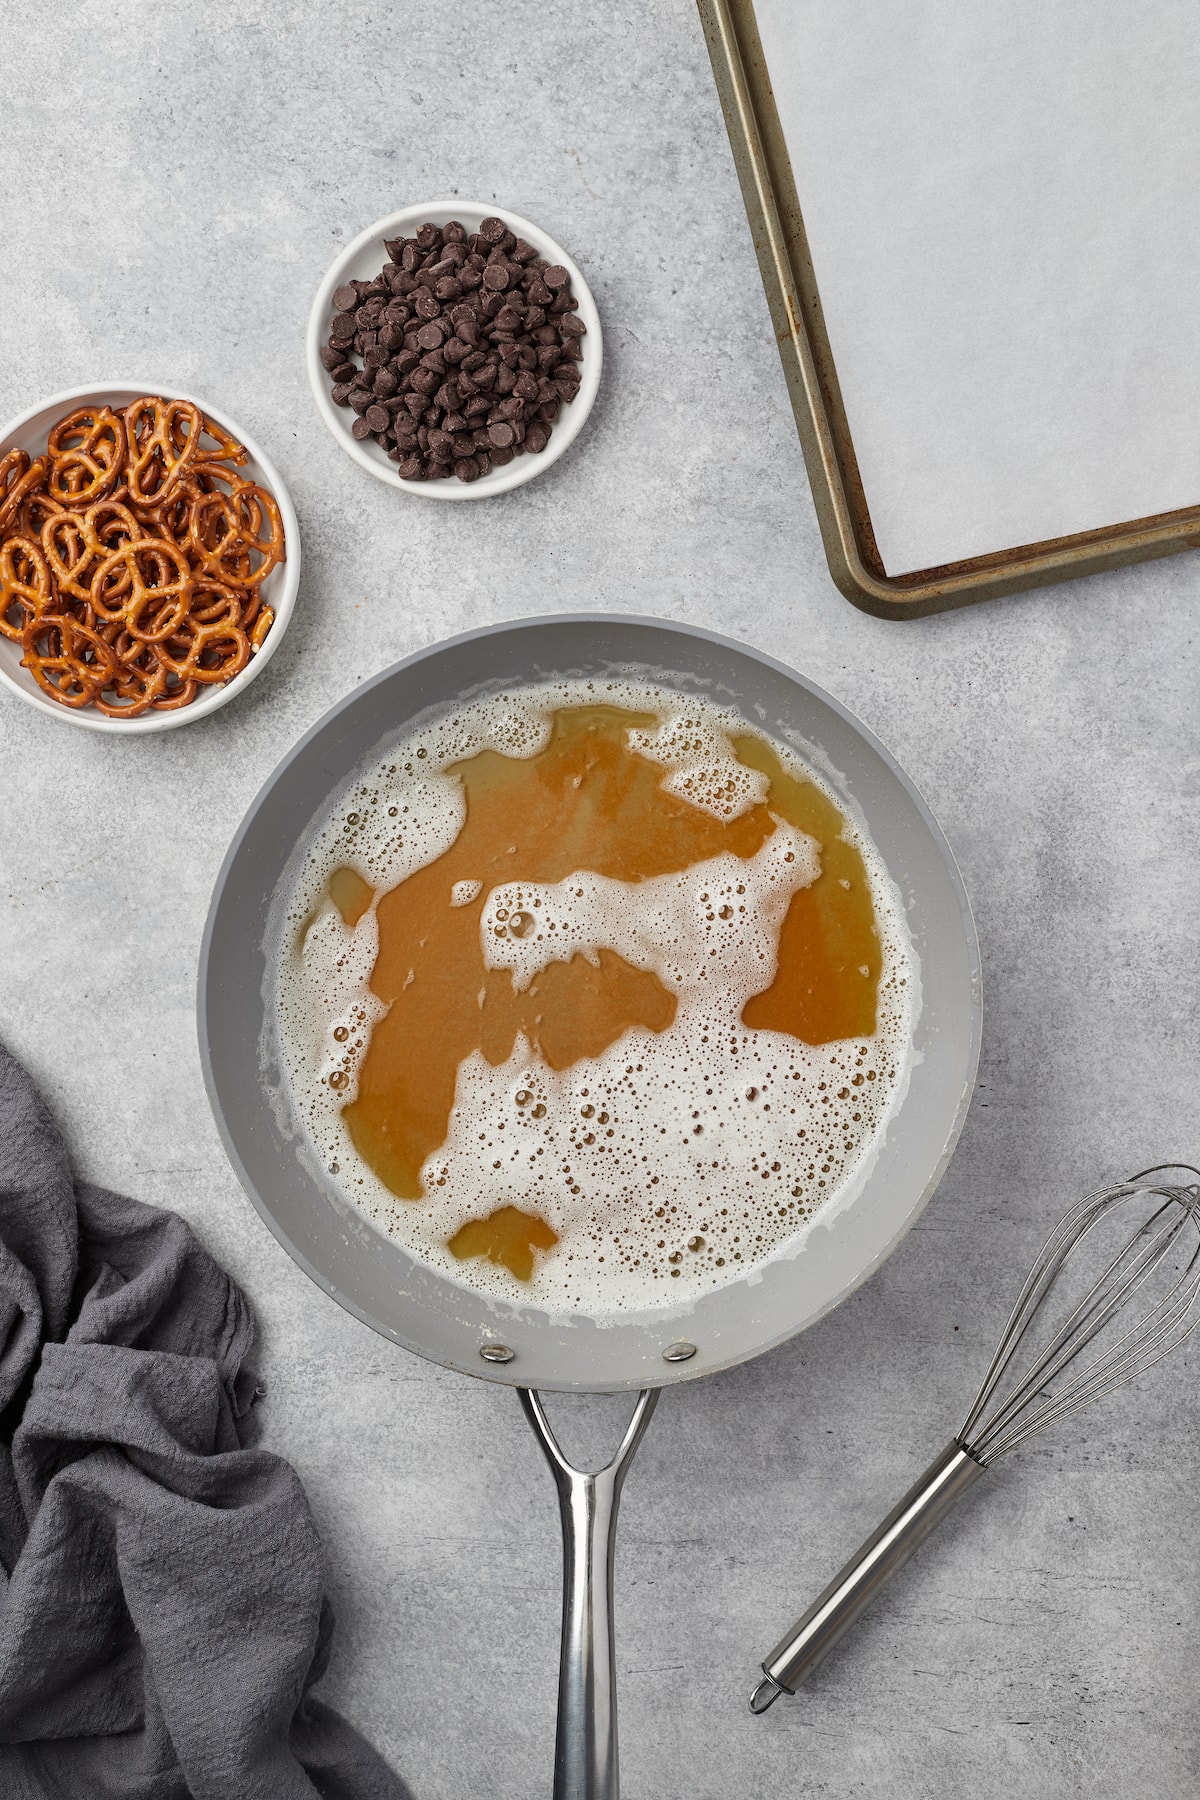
(1003, 204)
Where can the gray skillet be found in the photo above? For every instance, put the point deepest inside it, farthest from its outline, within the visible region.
(516, 1344)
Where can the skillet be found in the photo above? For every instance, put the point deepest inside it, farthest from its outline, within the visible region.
(517, 1344)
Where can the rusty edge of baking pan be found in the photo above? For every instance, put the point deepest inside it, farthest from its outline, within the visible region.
(777, 226)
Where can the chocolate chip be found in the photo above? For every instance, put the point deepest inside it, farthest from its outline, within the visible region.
(492, 230)
(525, 387)
(427, 236)
(411, 469)
(495, 277)
(341, 393)
(501, 434)
(360, 430)
(344, 298)
(537, 436)
(377, 417)
(430, 337)
(454, 233)
(332, 357)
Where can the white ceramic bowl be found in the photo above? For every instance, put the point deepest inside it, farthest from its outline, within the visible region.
(28, 432)
(362, 261)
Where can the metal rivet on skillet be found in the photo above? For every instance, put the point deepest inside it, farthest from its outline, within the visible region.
(680, 1352)
(497, 1353)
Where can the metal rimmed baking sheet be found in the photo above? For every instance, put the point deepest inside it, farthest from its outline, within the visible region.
(985, 309)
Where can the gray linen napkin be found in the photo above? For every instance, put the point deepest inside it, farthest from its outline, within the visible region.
(161, 1610)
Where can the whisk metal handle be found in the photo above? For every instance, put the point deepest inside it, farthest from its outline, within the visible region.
(885, 1552)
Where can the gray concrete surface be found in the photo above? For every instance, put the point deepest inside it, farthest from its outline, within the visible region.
(176, 182)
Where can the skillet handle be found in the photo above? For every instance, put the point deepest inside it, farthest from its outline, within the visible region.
(585, 1753)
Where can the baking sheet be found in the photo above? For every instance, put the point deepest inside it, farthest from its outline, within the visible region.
(1001, 205)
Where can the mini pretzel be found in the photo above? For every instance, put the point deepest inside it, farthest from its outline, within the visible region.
(13, 465)
(147, 585)
(69, 555)
(35, 509)
(109, 524)
(227, 447)
(164, 437)
(138, 683)
(69, 661)
(258, 636)
(213, 602)
(176, 697)
(206, 653)
(87, 454)
(227, 534)
(19, 486)
(24, 585)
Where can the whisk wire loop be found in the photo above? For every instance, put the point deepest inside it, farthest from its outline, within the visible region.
(1030, 1408)
(1091, 1316)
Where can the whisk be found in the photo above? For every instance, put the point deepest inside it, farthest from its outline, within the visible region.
(1157, 1272)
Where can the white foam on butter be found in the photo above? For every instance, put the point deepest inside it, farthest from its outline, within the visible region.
(711, 928)
(701, 765)
(675, 1161)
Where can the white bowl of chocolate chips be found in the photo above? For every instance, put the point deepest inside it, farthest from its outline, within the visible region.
(454, 350)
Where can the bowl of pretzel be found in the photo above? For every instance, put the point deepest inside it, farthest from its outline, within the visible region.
(149, 558)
